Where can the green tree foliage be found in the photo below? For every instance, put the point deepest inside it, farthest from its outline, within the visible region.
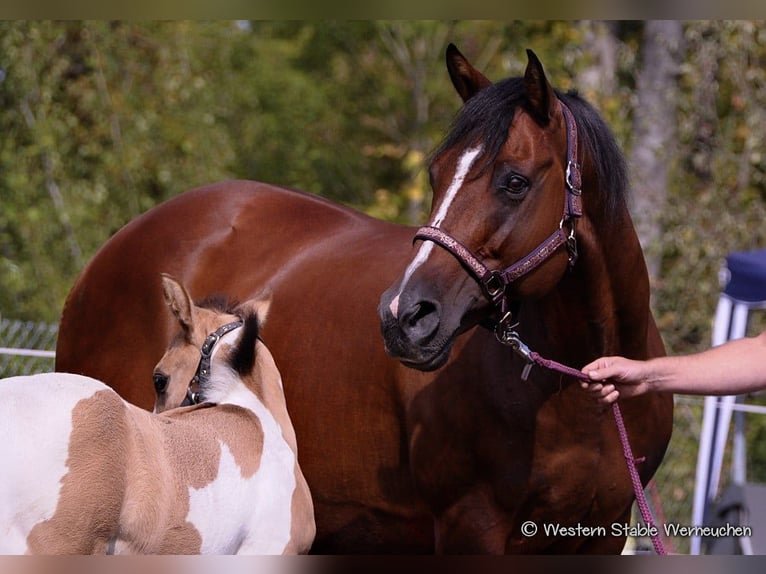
(717, 203)
(102, 120)
(99, 122)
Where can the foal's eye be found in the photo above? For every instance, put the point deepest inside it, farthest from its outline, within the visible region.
(515, 185)
(160, 382)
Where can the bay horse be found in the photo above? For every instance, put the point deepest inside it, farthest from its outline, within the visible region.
(86, 472)
(436, 445)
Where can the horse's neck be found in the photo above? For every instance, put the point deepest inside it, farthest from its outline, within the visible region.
(271, 392)
(257, 391)
(605, 297)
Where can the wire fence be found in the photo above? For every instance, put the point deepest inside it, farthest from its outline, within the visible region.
(26, 347)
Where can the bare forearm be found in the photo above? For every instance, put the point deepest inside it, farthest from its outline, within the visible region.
(735, 367)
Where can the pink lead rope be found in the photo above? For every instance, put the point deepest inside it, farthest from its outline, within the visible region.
(643, 505)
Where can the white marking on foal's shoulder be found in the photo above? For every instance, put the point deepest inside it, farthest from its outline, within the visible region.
(463, 167)
(219, 509)
(253, 515)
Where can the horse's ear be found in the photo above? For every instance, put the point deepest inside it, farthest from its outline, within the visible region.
(179, 301)
(468, 81)
(259, 305)
(540, 94)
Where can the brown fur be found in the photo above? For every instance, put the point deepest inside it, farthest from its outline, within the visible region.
(130, 471)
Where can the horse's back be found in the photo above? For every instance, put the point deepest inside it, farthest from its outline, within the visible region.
(233, 237)
(41, 406)
(231, 492)
(44, 445)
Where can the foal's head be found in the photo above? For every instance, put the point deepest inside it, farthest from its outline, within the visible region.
(216, 344)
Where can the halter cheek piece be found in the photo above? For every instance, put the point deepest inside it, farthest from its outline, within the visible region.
(495, 283)
(202, 375)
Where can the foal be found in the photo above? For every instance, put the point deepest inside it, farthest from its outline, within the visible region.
(86, 472)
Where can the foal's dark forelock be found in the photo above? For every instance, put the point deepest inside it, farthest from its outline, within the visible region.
(487, 117)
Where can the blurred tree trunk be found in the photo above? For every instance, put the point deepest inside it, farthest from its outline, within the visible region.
(598, 79)
(414, 47)
(655, 132)
(414, 51)
(704, 58)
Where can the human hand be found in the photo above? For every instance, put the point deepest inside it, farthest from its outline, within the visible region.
(612, 377)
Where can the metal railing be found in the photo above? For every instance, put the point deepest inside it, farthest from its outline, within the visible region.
(26, 347)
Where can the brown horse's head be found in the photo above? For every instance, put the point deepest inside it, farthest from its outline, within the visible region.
(501, 182)
(182, 372)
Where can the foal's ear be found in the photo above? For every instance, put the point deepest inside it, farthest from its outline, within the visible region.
(259, 305)
(468, 81)
(540, 94)
(179, 301)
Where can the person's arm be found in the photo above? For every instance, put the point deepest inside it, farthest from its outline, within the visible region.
(734, 368)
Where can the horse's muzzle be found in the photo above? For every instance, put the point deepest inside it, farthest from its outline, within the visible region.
(413, 334)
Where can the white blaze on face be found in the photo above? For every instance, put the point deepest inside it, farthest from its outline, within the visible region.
(463, 166)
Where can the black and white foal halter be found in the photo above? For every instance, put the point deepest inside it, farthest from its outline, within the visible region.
(202, 376)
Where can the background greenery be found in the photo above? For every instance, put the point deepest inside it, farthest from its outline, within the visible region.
(100, 121)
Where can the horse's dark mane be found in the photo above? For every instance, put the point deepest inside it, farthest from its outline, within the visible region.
(487, 116)
(242, 359)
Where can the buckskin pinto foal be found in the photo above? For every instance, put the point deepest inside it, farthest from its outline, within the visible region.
(86, 472)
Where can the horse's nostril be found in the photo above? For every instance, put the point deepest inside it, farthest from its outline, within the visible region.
(420, 321)
(419, 311)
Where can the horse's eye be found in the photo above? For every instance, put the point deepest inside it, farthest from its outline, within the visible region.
(160, 382)
(515, 185)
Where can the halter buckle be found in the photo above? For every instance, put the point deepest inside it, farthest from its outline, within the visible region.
(494, 284)
(192, 398)
(573, 179)
(505, 330)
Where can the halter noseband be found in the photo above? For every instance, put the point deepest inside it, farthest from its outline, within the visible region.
(206, 354)
(494, 283)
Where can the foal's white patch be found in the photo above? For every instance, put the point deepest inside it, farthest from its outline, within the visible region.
(221, 509)
(464, 165)
(35, 425)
